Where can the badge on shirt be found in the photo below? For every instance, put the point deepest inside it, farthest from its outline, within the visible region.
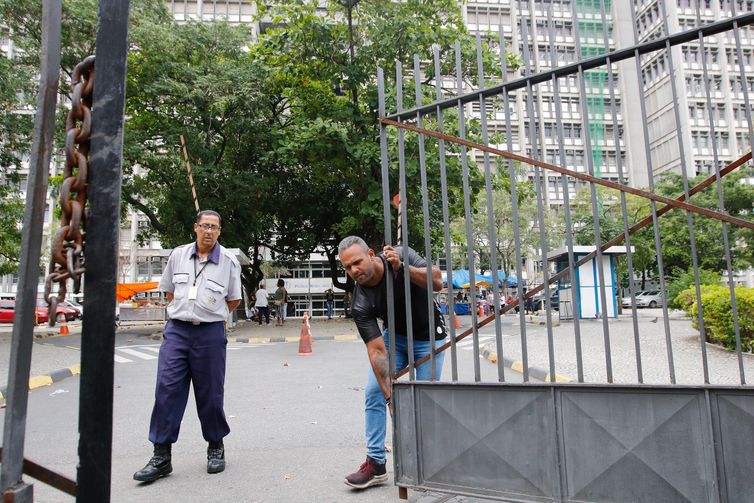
(193, 290)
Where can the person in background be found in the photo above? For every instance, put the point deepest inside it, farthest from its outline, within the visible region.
(262, 305)
(330, 302)
(281, 303)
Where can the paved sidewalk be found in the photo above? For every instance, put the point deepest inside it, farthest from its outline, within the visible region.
(51, 363)
(685, 345)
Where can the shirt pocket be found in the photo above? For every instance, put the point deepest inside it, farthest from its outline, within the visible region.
(180, 285)
(213, 296)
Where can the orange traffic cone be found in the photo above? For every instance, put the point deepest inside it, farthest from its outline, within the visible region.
(481, 311)
(64, 328)
(457, 321)
(305, 341)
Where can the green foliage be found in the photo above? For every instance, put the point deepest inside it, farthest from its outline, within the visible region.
(685, 281)
(718, 314)
(676, 241)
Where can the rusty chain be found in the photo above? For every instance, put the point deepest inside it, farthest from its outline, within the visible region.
(67, 253)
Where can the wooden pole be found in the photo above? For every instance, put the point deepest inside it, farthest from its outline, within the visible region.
(190, 176)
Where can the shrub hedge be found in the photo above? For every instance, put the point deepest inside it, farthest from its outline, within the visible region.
(718, 314)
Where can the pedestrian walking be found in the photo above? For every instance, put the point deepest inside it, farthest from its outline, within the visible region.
(281, 303)
(203, 285)
(368, 305)
(262, 305)
(330, 303)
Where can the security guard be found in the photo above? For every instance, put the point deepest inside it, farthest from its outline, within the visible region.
(203, 284)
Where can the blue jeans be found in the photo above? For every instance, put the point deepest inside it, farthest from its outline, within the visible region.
(376, 412)
(330, 308)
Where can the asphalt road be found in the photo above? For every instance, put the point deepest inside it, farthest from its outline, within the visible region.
(297, 426)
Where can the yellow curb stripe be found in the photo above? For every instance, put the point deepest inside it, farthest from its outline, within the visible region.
(75, 369)
(258, 340)
(291, 339)
(518, 367)
(2, 397)
(39, 381)
(345, 337)
(558, 378)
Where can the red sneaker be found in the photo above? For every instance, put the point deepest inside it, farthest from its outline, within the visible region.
(370, 474)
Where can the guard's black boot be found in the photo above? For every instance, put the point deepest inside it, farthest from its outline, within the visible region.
(215, 457)
(158, 466)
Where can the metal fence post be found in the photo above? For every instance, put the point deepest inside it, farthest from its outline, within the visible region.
(98, 335)
(14, 432)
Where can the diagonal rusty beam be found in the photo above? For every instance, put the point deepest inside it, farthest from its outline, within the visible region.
(716, 215)
(613, 242)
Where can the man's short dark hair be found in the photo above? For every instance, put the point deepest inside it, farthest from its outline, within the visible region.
(349, 241)
(208, 213)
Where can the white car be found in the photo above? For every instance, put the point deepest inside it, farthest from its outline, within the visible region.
(649, 299)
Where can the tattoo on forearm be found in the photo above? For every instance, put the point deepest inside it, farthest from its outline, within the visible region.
(382, 366)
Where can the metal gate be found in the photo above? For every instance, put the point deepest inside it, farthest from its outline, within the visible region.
(646, 429)
(90, 204)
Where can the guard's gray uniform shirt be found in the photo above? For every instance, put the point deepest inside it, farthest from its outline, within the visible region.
(217, 283)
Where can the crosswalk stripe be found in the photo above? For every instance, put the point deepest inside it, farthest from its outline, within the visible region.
(154, 349)
(120, 359)
(137, 354)
(469, 343)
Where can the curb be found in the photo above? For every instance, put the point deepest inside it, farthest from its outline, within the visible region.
(518, 366)
(157, 336)
(46, 380)
(530, 320)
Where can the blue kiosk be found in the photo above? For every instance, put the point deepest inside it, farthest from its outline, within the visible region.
(587, 282)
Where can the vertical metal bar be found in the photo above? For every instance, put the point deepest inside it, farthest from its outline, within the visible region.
(386, 216)
(624, 210)
(593, 193)
(492, 235)
(98, 331)
(689, 216)
(540, 210)
(516, 231)
(467, 211)
(721, 207)
(446, 220)
(425, 214)
(650, 178)
(575, 294)
(14, 432)
(404, 221)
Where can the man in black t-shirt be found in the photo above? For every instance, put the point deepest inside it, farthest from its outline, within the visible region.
(369, 303)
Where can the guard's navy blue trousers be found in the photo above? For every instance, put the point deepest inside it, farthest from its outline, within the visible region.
(190, 354)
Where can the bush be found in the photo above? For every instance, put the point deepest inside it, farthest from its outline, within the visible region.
(718, 314)
(686, 281)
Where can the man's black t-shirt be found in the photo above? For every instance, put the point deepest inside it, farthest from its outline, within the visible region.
(370, 303)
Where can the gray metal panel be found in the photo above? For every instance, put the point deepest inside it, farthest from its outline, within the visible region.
(614, 439)
(498, 439)
(617, 444)
(406, 468)
(736, 430)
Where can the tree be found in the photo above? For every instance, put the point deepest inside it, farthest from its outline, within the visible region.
(282, 135)
(676, 241)
(15, 142)
(505, 245)
(611, 225)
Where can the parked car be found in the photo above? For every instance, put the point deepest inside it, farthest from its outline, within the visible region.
(8, 312)
(650, 299)
(539, 301)
(62, 313)
(78, 309)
